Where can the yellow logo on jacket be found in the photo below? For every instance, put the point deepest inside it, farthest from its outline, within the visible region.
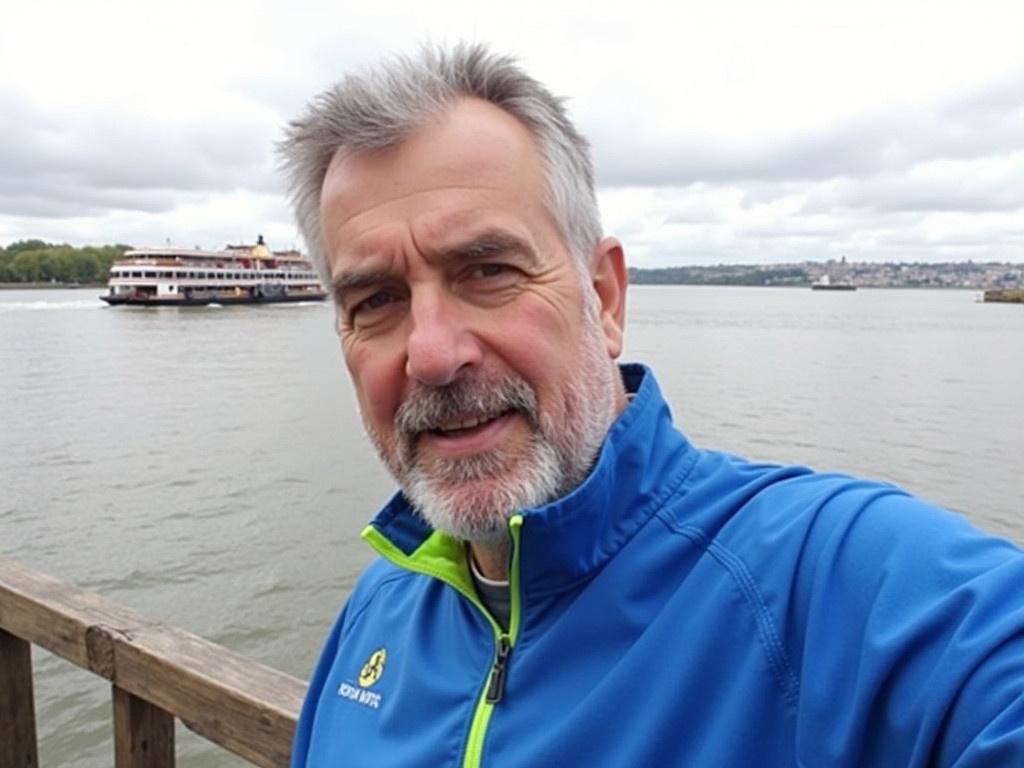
(373, 668)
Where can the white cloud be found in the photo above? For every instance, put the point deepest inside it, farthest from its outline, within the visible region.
(723, 130)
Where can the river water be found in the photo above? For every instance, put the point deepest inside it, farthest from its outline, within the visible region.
(206, 467)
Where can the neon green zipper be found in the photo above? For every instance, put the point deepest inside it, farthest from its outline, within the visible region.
(503, 645)
(445, 559)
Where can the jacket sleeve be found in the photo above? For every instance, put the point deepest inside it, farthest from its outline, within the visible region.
(913, 648)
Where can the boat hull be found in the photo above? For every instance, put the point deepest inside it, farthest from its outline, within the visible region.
(203, 301)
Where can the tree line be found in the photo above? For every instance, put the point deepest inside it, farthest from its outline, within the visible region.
(36, 261)
(720, 275)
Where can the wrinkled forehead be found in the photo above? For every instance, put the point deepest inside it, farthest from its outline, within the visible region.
(472, 146)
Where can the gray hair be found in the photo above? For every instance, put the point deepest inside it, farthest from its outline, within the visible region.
(380, 107)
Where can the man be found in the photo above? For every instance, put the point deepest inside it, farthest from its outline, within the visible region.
(564, 579)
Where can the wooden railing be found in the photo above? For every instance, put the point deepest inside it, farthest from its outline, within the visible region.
(157, 673)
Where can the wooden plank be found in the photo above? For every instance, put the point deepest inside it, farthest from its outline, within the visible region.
(57, 616)
(243, 706)
(248, 709)
(143, 734)
(17, 705)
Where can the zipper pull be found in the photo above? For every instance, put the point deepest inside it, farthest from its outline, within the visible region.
(496, 686)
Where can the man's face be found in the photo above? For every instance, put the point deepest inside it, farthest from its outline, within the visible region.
(481, 358)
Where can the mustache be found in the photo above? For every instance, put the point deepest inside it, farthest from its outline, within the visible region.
(431, 408)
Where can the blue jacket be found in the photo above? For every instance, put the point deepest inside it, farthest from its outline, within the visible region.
(683, 608)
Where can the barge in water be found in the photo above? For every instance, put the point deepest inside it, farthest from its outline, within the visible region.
(239, 274)
(1006, 295)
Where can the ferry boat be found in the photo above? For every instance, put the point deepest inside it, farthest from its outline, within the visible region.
(824, 283)
(239, 274)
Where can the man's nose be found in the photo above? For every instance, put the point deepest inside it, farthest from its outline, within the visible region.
(440, 342)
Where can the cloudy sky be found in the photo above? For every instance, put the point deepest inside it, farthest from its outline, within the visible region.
(723, 131)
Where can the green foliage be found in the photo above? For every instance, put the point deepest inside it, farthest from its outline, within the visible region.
(35, 261)
(720, 275)
(25, 245)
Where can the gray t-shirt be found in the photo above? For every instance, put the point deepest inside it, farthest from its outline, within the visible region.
(495, 595)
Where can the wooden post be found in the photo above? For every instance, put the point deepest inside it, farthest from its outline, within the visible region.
(143, 733)
(17, 705)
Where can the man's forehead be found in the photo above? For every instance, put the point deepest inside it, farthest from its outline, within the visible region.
(436, 230)
(472, 142)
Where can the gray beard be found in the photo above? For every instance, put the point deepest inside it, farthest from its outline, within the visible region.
(472, 498)
(478, 507)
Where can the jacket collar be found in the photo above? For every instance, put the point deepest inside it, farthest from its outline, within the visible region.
(642, 461)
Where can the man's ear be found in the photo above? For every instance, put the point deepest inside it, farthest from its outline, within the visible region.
(609, 276)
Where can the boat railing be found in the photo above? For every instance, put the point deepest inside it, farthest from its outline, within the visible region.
(146, 262)
(158, 673)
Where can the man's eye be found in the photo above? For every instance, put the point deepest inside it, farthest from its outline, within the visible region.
(490, 270)
(378, 299)
(490, 279)
(373, 301)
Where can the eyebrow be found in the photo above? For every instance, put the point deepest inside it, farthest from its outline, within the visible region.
(477, 248)
(486, 245)
(347, 282)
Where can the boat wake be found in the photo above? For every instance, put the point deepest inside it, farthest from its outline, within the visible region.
(42, 306)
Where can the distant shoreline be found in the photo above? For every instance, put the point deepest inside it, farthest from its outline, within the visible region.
(966, 275)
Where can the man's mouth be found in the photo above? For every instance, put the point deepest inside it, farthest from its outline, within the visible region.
(464, 419)
(465, 425)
